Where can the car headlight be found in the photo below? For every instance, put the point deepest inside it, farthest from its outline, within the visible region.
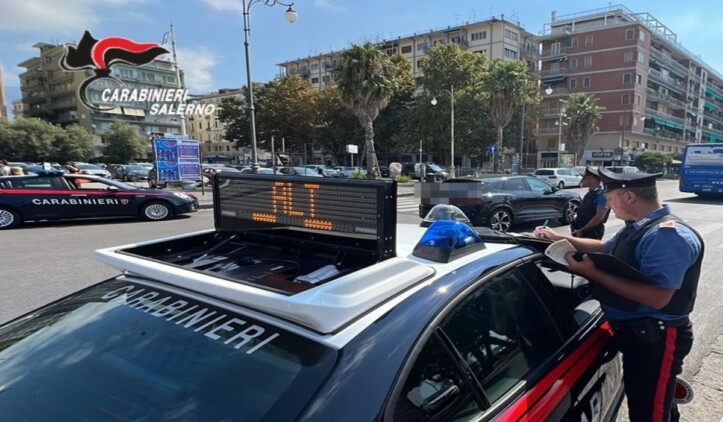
(183, 196)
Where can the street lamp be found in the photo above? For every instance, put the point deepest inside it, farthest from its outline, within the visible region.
(451, 99)
(559, 123)
(290, 16)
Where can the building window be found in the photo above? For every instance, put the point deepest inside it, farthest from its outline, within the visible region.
(588, 40)
(624, 121)
(573, 63)
(476, 36)
(588, 61)
(575, 43)
(511, 35)
(638, 78)
(625, 99)
(438, 42)
(406, 49)
(641, 57)
(573, 83)
(314, 80)
(627, 78)
(629, 34)
(637, 99)
(419, 63)
(586, 82)
(511, 54)
(314, 66)
(421, 46)
(555, 48)
(642, 35)
(628, 57)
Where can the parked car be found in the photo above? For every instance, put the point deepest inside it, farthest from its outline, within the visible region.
(508, 200)
(130, 172)
(560, 177)
(623, 169)
(351, 171)
(275, 324)
(326, 171)
(92, 169)
(304, 171)
(59, 196)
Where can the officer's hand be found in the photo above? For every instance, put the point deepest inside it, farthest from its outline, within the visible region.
(584, 267)
(546, 233)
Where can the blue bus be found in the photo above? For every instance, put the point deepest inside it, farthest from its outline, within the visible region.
(701, 171)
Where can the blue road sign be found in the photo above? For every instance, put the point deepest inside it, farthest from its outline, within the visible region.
(493, 149)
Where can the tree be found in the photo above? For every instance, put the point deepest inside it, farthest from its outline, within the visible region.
(124, 142)
(583, 113)
(366, 82)
(233, 114)
(652, 161)
(507, 85)
(74, 144)
(33, 140)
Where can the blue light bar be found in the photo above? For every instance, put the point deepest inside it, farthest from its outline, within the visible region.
(446, 240)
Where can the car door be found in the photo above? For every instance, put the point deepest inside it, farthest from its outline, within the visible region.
(38, 197)
(507, 351)
(93, 198)
(547, 206)
(524, 201)
(571, 178)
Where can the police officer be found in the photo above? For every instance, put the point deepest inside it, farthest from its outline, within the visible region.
(650, 321)
(593, 212)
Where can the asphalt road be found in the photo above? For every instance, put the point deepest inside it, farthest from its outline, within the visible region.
(43, 262)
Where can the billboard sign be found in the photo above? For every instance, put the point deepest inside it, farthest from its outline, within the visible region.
(177, 160)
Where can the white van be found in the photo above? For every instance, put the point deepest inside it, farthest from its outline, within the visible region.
(623, 169)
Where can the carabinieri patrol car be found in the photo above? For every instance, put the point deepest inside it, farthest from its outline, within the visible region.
(54, 195)
(308, 302)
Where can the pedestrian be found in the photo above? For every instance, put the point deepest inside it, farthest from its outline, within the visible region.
(592, 214)
(4, 168)
(650, 321)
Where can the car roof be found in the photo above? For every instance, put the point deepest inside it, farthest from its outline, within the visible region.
(326, 312)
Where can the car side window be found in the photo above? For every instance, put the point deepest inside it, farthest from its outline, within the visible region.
(502, 331)
(537, 185)
(34, 183)
(514, 184)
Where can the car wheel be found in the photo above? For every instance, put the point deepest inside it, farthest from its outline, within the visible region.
(125, 178)
(156, 211)
(500, 219)
(9, 218)
(561, 185)
(568, 211)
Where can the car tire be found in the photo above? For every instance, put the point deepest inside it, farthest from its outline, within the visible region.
(156, 211)
(125, 178)
(500, 219)
(561, 185)
(9, 218)
(568, 210)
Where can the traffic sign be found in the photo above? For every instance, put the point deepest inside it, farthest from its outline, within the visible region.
(493, 149)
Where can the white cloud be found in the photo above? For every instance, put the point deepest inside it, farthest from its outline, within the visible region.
(196, 64)
(54, 15)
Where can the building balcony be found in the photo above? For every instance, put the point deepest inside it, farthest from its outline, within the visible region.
(556, 92)
(551, 112)
(552, 75)
(36, 99)
(670, 82)
(553, 54)
(665, 98)
(547, 131)
(668, 62)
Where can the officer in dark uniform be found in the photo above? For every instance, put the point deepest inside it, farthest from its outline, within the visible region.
(593, 212)
(650, 321)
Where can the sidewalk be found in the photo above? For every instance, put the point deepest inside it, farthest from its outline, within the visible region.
(205, 201)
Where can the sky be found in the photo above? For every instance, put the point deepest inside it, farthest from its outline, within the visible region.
(209, 33)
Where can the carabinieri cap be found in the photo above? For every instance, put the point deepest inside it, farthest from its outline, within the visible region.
(613, 180)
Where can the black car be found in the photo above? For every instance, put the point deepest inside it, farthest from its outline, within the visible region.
(58, 196)
(307, 302)
(499, 202)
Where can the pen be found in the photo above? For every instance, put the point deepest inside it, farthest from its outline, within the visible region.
(544, 225)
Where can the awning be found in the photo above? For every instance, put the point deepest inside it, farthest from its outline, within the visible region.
(114, 110)
(134, 111)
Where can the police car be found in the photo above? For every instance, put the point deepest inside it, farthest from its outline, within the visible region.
(54, 195)
(308, 302)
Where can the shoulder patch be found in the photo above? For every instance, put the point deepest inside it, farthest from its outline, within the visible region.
(670, 224)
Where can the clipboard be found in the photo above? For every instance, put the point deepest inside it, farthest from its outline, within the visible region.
(613, 265)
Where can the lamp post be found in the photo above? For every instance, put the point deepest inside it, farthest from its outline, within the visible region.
(170, 34)
(451, 142)
(291, 16)
(559, 123)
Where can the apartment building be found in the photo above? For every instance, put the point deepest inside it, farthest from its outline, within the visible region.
(497, 38)
(209, 130)
(51, 93)
(657, 95)
(3, 97)
(18, 109)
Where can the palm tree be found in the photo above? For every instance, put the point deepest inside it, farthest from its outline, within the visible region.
(583, 113)
(508, 85)
(366, 82)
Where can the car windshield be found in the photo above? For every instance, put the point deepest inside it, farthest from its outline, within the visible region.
(125, 351)
(136, 168)
(434, 167)
(544, 172)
